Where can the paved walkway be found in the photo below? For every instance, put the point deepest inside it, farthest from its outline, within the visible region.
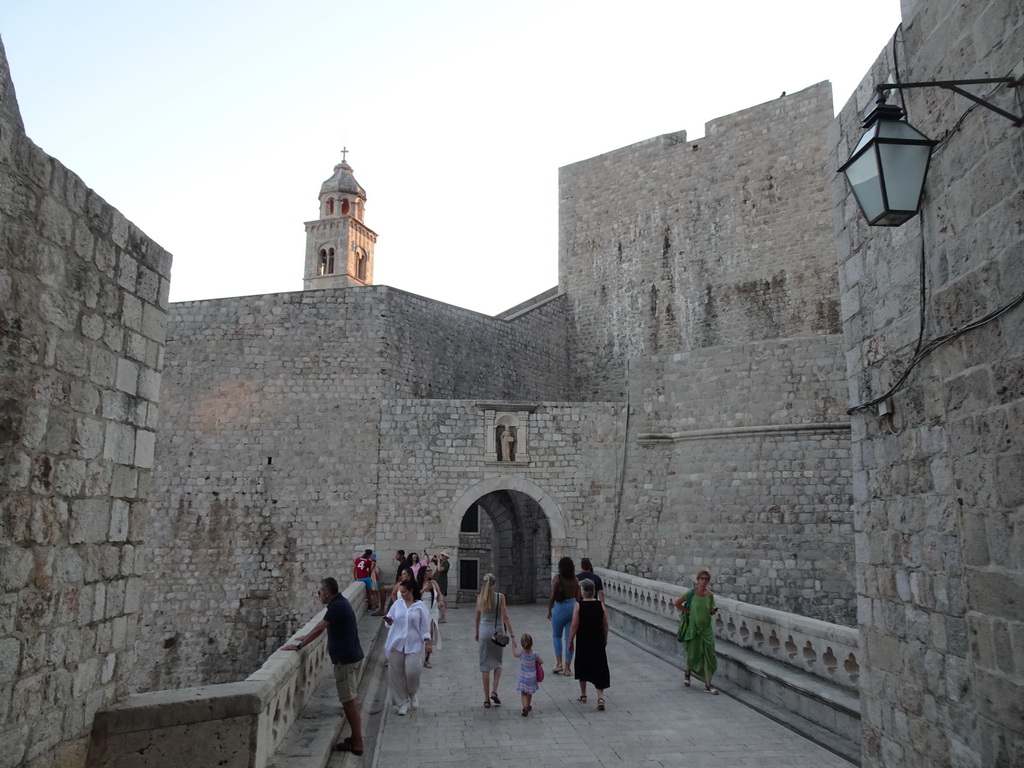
(651, 721)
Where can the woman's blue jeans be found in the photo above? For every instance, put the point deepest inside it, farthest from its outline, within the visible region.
(561, 623)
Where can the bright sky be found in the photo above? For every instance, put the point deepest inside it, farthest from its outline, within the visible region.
(212, 123)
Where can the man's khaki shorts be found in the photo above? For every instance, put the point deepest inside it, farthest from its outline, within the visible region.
(346, 679)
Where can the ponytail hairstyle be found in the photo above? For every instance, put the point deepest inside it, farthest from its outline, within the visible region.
(485, 600)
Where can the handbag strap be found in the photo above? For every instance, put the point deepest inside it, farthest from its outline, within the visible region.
(497, 601)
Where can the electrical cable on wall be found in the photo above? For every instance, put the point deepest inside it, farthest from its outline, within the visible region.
(922, 350)
(931, 346)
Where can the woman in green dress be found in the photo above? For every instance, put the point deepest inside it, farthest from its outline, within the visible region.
(700, 635)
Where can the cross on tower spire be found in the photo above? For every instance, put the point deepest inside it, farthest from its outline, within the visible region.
(344, 151)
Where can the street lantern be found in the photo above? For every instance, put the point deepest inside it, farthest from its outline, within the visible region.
(888, 167)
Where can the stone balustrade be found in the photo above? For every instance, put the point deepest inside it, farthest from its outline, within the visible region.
(235, 725)
(827, 651)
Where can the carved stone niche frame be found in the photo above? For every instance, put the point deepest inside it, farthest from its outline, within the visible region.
(506, 433)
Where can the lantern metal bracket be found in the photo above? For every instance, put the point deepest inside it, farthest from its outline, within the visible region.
(954, 85)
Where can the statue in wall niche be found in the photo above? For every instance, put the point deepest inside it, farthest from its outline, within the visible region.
(505, 437)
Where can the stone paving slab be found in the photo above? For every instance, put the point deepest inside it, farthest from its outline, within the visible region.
(651, 721)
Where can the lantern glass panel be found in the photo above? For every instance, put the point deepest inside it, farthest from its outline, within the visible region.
(897, 129)
(866, 139)
(863, 175)
(905, 166)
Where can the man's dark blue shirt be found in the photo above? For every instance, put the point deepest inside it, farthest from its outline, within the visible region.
(342, 632)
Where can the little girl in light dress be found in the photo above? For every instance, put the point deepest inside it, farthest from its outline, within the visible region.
(528, 661)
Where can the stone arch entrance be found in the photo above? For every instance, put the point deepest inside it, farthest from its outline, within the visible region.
(521, 532)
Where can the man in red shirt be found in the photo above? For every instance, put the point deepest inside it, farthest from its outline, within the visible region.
(361, 572)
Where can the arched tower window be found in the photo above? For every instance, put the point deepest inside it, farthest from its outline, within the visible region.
(330, 261)
(361, 265)
(321, 267)
(344, 206)
(330, 206)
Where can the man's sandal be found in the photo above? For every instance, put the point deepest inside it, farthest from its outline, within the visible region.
(346, 746)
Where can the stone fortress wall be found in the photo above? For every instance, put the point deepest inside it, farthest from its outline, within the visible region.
(938, 490)
(739, 462)
(669, 245)
(269, 460)
(709, 266)
(83, 300)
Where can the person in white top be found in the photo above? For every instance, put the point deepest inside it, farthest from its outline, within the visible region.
(433, 601)
(408, 639)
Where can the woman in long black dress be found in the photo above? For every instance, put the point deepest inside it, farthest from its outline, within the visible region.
(589, 634)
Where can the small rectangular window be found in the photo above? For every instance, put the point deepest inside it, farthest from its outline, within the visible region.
(469, 574)
(471, 521)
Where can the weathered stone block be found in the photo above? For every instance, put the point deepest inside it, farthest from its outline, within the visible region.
(127, 376)
(998, 595)
(119, 443)
(145, 444)
(89, 521)
(119, 520)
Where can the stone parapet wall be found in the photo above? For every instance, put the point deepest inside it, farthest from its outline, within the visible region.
(799, 671)
(83, 299)
(738, 462)
(234, 724)
(827, 651)
(672, 245)
(937, 483)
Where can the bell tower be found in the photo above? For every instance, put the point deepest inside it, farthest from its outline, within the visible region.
(339, 247)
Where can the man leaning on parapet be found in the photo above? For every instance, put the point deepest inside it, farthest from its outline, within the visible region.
(346, 655)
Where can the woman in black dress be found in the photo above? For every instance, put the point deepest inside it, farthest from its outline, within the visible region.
(589, 634)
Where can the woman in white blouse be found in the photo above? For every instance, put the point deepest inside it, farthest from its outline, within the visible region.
(408, 639)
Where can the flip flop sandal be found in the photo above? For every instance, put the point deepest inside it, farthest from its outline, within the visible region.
(686, 679)
(487, 705)
(557, 668)
(582, 699)
(709, 689)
